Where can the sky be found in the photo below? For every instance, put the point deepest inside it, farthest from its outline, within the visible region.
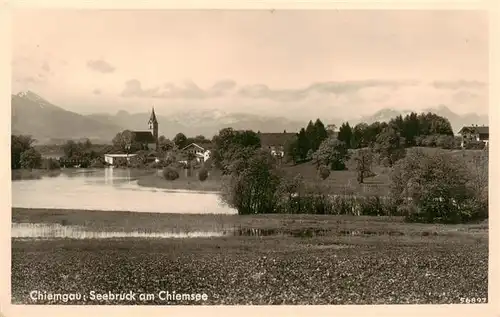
(297, 64)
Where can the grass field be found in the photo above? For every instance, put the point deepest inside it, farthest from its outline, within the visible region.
(184, 182)
(339, 182)
(420, 264)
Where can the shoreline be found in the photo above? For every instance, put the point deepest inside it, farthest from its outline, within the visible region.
(127, 221)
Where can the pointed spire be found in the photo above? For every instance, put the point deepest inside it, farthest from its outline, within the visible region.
(152, 119)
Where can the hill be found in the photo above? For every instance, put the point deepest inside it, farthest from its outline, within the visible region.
(47, 123)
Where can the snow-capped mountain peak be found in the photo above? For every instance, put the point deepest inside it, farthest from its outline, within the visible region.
(29, 95)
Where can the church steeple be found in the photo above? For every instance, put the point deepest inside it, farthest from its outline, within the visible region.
(153, 125)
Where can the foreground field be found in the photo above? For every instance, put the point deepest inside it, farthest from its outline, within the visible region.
(353, 260)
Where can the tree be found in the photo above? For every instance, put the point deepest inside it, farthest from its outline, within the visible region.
(345, 134)
(359, 136)
(435, 187)
(311, 135)
(292, 151)
(372, 131)
(363, 159)
(390, 145)
(19, 144)
(302, 144)
(50, 164)
(230, 145)
(30, 159)
(430, 123)
(165, 144)
(180, 140)
(190, 158)
(320, 134)
(200, 139)
(397, 123)
(203, 174)
(71, 149)
(411, 129)
(253, 189)
(332, 153)
(125, 142)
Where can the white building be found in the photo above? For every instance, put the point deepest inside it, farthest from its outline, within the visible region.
(202, 154)
(108, 158)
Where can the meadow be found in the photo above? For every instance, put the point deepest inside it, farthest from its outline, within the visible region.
(337, 183)
(284, 259)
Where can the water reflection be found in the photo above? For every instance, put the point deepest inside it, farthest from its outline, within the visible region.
(54, 231)
(110, 189)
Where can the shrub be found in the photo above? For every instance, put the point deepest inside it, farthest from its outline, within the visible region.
(30, 159)
(203, 174)
(170, 173)
(98, 163)
(474, 145)
(50, 164)
(436, 187)
(376, 206)
(252, 188)
(120, 162)
(324, 171)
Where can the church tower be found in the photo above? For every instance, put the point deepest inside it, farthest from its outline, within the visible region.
(153, 125)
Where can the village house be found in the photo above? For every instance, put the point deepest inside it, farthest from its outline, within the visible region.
(201, 153)
(275, 142)
(475, 133)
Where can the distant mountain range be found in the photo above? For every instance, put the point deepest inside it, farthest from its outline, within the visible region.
(33, 115)
(457, 121)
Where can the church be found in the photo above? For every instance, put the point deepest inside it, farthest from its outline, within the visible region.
(149, 139)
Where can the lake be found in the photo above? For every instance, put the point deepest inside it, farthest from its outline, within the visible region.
(110, 189)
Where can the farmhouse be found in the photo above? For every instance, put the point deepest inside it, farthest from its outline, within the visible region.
(475, 133)
(201, 153)
(275, 142)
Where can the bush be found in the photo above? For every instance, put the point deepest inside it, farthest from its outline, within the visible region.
(376, 206)
(50, 164)
(324, 172)
(474, 145)
(437, 187)
(170, 173)
(120, 162)
(98, 163)
(252, 188)
(30, 159)
(203, 174)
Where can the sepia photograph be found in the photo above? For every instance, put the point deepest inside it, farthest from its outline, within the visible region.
(249, 157)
